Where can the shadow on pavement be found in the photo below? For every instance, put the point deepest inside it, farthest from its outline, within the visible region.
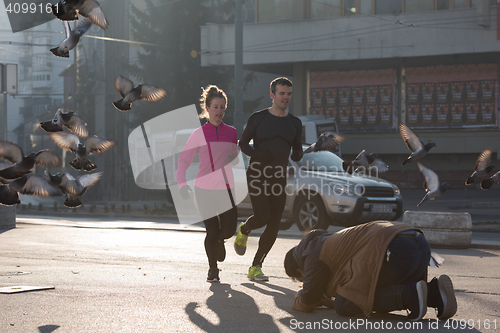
(48, 328)
(236, 311)
(5, 230)
(327, 319)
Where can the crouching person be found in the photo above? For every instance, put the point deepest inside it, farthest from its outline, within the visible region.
(378, 266)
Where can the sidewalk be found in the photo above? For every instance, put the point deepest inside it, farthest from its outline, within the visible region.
(482, 236)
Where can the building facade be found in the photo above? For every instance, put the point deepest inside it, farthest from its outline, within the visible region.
(372, 64)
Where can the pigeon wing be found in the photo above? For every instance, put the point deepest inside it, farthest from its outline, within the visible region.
(379, 165)
(82, 27)
(123, 85)
(47, 158)
(430, 177)
(93, 11)
(69, 184)
(11, 152)
(66, 141)
(483, 160)
(77, 126)
(413, 142)
(361, 159)
(38, 186)
(95, 143)
(309, 149)
(152, 93)
(89, 180)
(4, 164)
(328, 141)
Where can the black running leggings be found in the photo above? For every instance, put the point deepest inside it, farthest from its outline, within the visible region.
(268, 195)
(219, 227)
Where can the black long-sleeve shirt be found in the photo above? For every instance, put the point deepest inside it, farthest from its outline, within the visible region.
(277, 135)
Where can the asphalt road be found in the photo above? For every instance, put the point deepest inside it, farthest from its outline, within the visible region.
(129, 280)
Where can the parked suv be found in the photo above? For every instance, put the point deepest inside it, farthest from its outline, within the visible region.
(320, 193)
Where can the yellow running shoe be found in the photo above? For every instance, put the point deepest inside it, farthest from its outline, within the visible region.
(240, 242)
(255, 274)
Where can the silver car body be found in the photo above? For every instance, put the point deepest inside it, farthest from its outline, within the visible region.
(318, 179)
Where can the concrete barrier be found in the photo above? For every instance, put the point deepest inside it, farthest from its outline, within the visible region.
(7, 217)
(442, 229)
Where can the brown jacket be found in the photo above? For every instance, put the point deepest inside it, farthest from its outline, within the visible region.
(354, 256)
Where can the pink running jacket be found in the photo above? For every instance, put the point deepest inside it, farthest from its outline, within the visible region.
(216, 147)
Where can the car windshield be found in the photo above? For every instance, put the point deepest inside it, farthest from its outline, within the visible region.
(321, 161)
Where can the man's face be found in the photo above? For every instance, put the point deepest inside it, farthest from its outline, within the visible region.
(282, 96)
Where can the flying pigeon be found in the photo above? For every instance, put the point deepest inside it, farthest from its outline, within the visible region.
(130, 94)
(365, 161)
(66, 10)
(8, 197)
(72, 38)
(71, 142)
(327, 141)
(431, 184)
(22, 165)
(482, 168)
(488, 182)
(414, 143)
(72, 187)
(28, 185)
(70, 119)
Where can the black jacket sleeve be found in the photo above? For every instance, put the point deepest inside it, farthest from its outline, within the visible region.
(247, 135)
(316, 277)
(297, 141)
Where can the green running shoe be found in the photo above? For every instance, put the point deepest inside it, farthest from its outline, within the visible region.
(240, 242)
(255, 274)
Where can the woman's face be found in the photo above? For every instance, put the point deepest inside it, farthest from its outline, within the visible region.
(216, 110)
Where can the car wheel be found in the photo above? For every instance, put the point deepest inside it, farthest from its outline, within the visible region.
(310, 214)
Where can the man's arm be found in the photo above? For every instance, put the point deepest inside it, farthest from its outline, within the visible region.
(246, 136)
(297, 141)
(315, 281)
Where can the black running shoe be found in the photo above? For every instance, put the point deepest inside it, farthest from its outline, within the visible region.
(213, 275)
(221, 251)
(442, 297)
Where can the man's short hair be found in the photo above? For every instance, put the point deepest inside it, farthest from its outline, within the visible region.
(282, 81)
(291, 265)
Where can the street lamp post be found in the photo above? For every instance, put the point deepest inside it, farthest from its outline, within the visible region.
(238, 67)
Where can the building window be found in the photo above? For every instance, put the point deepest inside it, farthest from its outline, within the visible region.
(442, 4)
(249, 11)
(461, 4)
(365, 7)
(275, 10)
(388, 7)
(350, 7)
(325, 8)
(418, 6)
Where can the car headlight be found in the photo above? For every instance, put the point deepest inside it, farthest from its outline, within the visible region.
(339, 189)
(397, 191)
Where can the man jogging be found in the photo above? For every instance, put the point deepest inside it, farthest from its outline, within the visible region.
(275, 132)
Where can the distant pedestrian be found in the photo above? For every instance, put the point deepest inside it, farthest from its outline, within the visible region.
(377, 266)
(275, 132)
(216, 145)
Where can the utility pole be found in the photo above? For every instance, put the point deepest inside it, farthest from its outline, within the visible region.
(238, 68)
(8, 85)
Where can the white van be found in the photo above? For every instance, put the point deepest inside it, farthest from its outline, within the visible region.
(314, 125)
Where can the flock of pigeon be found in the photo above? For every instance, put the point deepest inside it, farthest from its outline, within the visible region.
(433, 188)
(15, 167)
